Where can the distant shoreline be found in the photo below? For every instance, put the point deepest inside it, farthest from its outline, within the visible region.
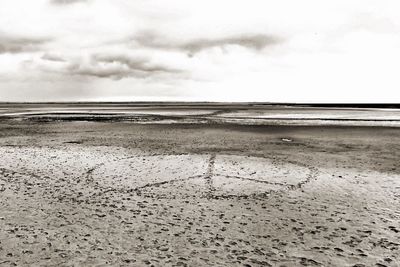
(202, 104)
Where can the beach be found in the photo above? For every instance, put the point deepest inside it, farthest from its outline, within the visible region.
(195, 190)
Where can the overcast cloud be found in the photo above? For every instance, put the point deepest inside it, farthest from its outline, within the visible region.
(285, 51)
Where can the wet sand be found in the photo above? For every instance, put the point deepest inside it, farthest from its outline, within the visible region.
(205, 113)
(123, 194)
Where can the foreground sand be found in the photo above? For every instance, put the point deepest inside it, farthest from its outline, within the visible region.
(122, 194)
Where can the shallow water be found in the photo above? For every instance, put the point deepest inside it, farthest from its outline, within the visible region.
(205, 113)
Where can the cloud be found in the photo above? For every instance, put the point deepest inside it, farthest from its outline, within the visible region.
(14, 44)
(142, 64)
(120, 66)
(250, 41)
(256, 42)
(102, 65)
(53, 57)
(113, 71)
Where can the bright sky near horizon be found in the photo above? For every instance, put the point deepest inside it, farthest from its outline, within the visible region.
(208, 50)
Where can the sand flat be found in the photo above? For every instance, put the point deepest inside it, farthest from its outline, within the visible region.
(124, 194)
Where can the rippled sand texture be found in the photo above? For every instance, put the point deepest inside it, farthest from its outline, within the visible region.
(122, 194)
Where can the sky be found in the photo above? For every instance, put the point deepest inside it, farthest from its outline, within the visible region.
(210, 50)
